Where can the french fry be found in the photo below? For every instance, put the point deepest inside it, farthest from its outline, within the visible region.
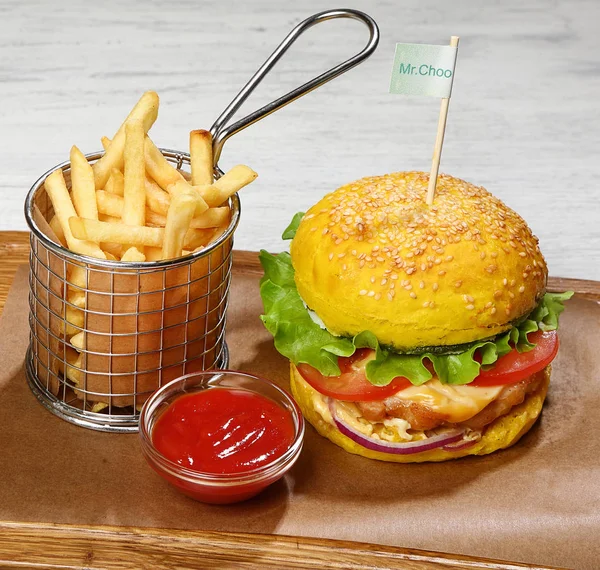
(145, 111)
(115, 249)
(76, 297)
(110, 219)
(182, 187)
(198, 238)
(77, 276)
(201, 157)
(158, 167)
(179, 217)
(64, 209)
(133, 254)
(97, 231)
(109, 204)
(230, 183)
(153, 253)
(57, 229)
(105, 142)
(74, 321)
(116, 184)
(210, 219)
(134, 194)
(156, 198)
(82, 185)
(78, 341)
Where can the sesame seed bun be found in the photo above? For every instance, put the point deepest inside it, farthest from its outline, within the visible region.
(500, 434)
(374, 256)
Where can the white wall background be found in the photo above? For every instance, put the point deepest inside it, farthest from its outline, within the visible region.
(523, 122)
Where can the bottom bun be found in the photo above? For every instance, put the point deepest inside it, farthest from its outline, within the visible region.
(500, 434)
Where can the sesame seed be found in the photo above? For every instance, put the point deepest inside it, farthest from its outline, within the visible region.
(468, 298)
(458, 283)
(330, 256)
(523, 254)
(505, 281)
(507, 311)
(426, 304)
(384, 281)
(482, 255)
(450, 258)
(497, 294)
(363, 292)
(470, 307)
(371, 294)
(378, 296)
(372, 279)
(390, 296)
(422, 284)
(435, 286)
(413, 295)
(394, 276)
(441, 273)
(521, 289)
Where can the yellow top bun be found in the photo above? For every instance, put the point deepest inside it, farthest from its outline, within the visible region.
(374, 256)
(500, 434)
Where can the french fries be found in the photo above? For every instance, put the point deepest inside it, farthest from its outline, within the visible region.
(232, 181)
(134, 196)
(138, 236)
(116, 183)
(82, 185)
(156, 198)
(158, 167)
(133, 205)
(201, 158)
(97, 231)
(179, 217)
(63, 208)
(145, 111)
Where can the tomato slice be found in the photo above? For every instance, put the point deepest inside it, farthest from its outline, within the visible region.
(352, 384)
(515, 366)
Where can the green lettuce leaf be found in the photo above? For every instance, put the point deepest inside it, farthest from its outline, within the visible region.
(301, 339)
(290, 231)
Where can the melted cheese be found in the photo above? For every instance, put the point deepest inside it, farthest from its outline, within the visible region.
(458, 403)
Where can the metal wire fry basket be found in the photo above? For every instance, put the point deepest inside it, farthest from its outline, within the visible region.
(146, 323)
(143, 323)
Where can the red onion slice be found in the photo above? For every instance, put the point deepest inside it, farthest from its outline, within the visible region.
(462, 444)
(390, 447)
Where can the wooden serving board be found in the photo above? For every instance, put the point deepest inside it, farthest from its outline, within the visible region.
(52, 545)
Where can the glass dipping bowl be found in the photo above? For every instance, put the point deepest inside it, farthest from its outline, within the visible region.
(218, 488)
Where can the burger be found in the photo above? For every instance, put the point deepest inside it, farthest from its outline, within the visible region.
(414, 332)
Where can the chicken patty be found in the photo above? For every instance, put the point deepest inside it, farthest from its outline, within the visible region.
(421, 417)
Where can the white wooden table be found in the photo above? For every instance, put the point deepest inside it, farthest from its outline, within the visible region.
(523, 122)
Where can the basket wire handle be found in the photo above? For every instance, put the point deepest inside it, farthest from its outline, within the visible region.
(221, 132)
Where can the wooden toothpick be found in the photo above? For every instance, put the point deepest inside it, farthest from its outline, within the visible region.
(439, 140)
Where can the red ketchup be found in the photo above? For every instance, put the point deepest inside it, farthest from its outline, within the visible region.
(223, 431)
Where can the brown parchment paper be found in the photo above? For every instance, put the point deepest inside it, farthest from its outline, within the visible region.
(538, 502)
